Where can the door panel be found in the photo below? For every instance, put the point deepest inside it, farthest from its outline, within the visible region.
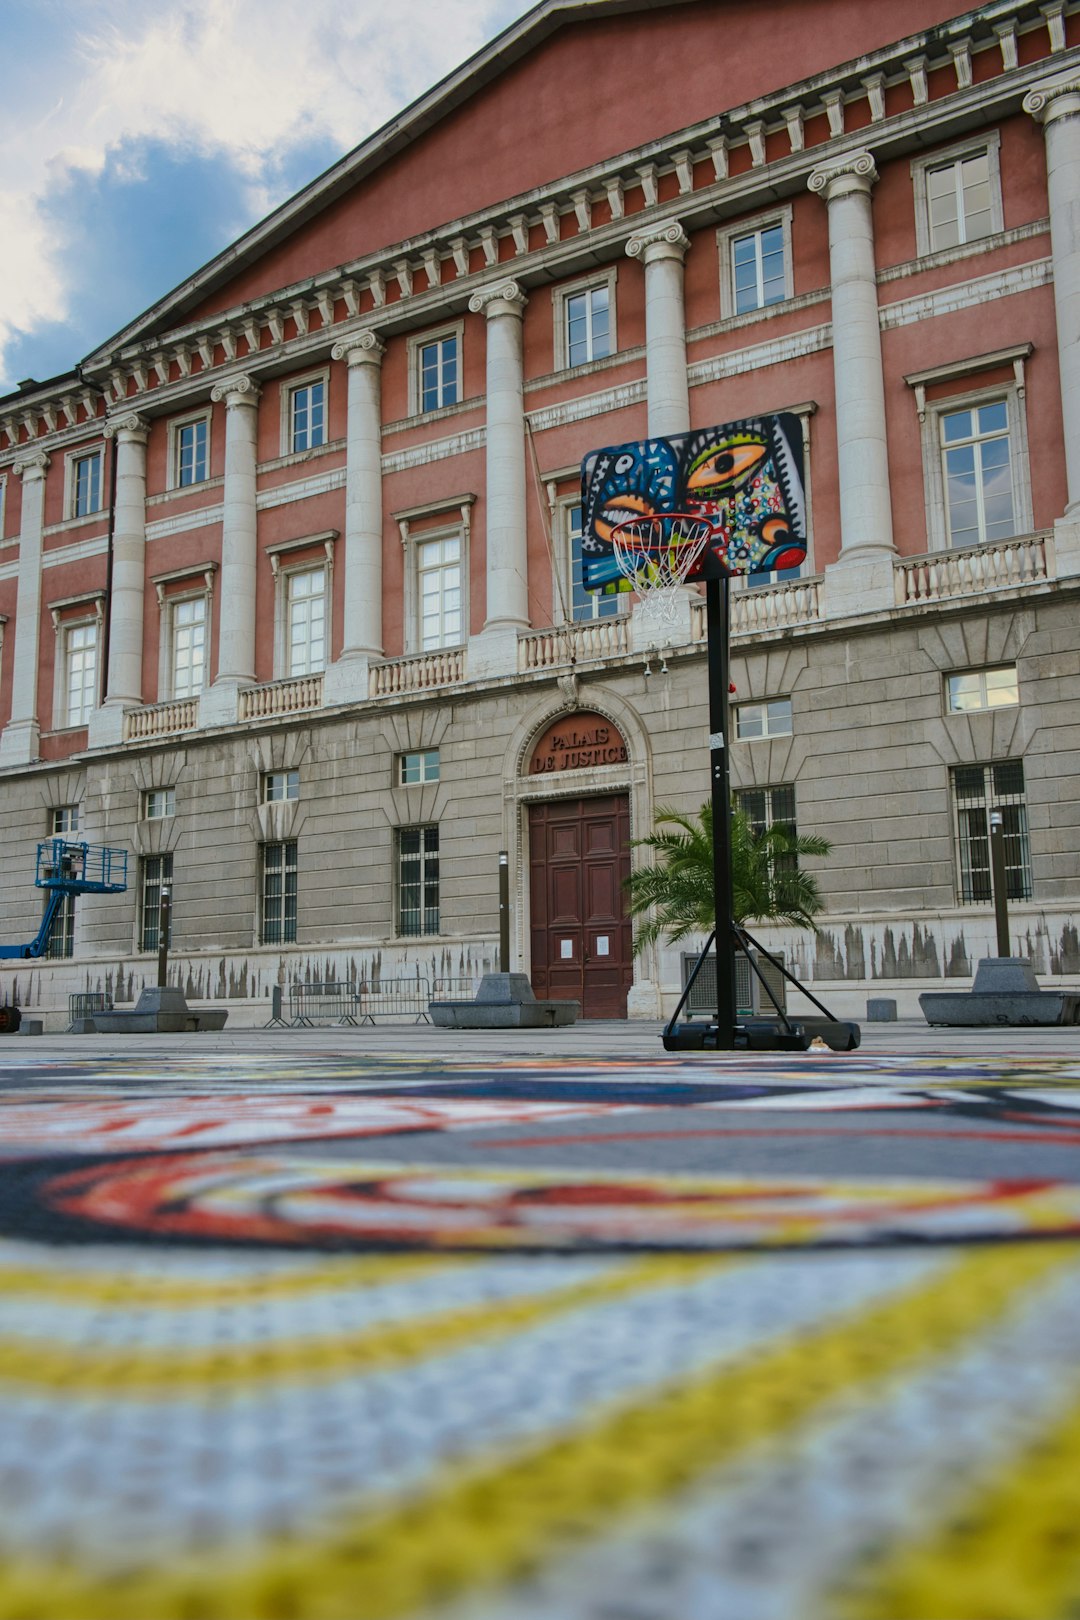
(579, 857)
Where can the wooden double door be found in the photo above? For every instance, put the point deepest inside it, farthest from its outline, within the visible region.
(579, 858)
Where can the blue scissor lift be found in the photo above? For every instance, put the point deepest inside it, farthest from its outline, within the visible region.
(64, 868)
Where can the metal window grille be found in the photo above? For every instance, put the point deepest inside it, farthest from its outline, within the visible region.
(61, 940)
(978, 789)
(418, 880)
(279, 893)
(155, 873)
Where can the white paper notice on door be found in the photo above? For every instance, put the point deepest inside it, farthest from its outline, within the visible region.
(566, 950)
(603, 945)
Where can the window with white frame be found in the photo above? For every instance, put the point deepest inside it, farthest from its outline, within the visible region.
(186, 631)
(973, 689)
(958, 195)
(772, 718)
(305, 620)
(755, 263)
(976, 454)
(63, 819)
(977, 792)
(439, 591)
(306, 414)
(418, 880)
(155, 874)
(584, 321)
(79, 672)
(421, 766)
(277, 924)
(585, 605)
(189, 449)
(435, 370)
(158, 803)
(85, 487)
(280, 785)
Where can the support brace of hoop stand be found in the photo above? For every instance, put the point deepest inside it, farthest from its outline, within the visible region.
(726, 1033)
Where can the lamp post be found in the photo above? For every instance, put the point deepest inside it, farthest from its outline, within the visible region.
(504, 911)
(164, 921)
(997, 878)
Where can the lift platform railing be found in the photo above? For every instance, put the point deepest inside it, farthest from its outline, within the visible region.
(77, 868)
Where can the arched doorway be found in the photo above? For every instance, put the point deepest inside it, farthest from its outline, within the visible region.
(579, 858)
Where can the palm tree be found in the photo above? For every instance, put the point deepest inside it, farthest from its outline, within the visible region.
(767, 884)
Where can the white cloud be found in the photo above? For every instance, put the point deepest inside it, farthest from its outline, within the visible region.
(244, 80)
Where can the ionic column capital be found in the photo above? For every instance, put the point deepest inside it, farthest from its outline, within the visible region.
(131, 429)
(665, 240)
(500, 298)
(360, 348)
(1055, 98)
(33, 465)
(239, 390)
(855, 172)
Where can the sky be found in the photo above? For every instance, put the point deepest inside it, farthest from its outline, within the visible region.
(139, 139)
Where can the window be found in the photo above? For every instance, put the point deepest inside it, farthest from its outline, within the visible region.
(420, 767)
(978, 790)
(61, 941)
(278, 894)
(438, 578)
(418, 880)
(155, 874)
(769, 719)
(280, 785)
(159, 802)
(3, 502)
(305, 621)
(79, 673)
(958, 195)
(587, 604)
(977, 466)
(755, 263)
(584, 316)
(85, 484)
(768, 807)
(63, 818)
(190, 449)
(187, 646)
(439, 373)
(982, 689)
(307, 415)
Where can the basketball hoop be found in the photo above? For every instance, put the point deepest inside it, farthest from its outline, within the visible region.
(656, 554)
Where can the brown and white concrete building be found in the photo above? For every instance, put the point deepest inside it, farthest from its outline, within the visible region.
(287, 568)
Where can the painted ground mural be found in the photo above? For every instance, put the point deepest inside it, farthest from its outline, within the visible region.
(577, 1340)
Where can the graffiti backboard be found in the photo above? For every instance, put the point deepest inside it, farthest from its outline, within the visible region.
(744, 477)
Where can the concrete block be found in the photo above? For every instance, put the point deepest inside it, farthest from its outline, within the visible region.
(880, 1010)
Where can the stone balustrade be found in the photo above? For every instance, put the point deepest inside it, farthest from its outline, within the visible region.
(573, 643)
(161, 719)
(1002, 565)
(418, 674)
(281, 697)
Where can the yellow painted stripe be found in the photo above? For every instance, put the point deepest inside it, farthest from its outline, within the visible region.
(476, 1528)
(1010, 1551)
(161, 1373)
(139, 1290)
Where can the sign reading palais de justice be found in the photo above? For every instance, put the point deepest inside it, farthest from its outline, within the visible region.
(577, 742)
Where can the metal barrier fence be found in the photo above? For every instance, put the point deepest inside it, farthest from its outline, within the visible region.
(85, 1003)
(329, 1003)
(454, 989)
(395, 998)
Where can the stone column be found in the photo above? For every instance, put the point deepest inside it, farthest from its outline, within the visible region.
(863, 577)
(123, 680)
(1056, 105)
(236, 632)
(346, 678)
(20, 739)
(662, 250)
(495, 650)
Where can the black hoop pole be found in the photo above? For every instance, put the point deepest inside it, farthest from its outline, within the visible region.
(716, 610)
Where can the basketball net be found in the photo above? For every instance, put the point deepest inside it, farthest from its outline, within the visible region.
(656, 554)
